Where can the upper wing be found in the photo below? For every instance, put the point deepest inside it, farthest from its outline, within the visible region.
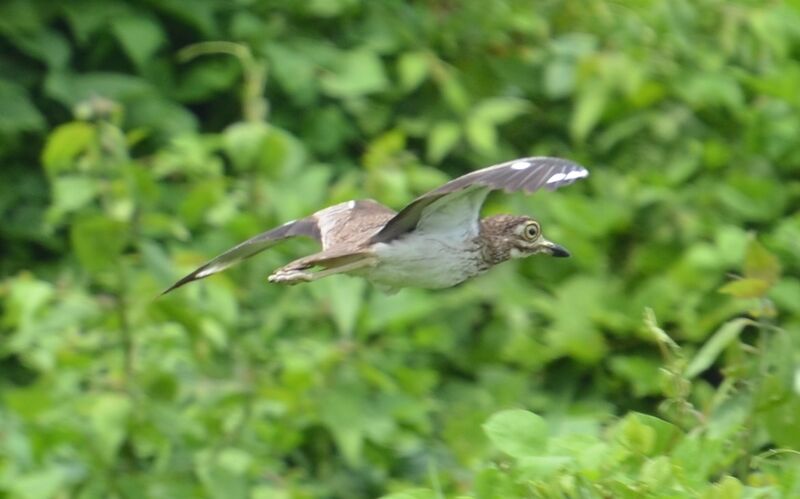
(458, 202)
(351, 223)
(305, 227)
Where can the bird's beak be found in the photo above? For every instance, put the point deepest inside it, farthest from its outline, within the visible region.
(554, 249)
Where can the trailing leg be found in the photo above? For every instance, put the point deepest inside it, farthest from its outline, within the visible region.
(332, 262)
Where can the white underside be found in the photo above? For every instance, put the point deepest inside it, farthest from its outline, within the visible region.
(425, 261)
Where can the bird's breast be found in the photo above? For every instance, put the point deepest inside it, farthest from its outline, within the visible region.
(426, 261)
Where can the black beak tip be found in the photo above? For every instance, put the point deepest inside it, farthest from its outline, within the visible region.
(559, 251)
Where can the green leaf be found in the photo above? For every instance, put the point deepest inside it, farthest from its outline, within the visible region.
(708, 89)
(65, 143)
(344, 410)
(140, 35)
(243, 142)
(282, 153)
(646, 434)
(346, 295)
(759, 263)
(413, 494)
(544, 467)
(413, 68)
(89, 17)
(47, 46)
(98, 241)
(17, 112)
(328, 8)
(25, 299)
(481, 135)
(220, 479)
(782, 420)
(159, 114)
(384, 148)
(442, 138)
(589, 107)
(709, 352)
(517, 432)
(358, 73)
(746, 288)
(559, 79)
(294, 71)
(108, 418)
(42, 483)
(72, 88)
(455, 94)
(71, 193)
(499, 110)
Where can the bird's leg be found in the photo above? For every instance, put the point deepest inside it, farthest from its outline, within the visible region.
(298, 271)
(290, 276)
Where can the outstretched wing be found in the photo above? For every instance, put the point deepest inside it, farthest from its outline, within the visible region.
(345, 224)
(305, 227)
(457, 204)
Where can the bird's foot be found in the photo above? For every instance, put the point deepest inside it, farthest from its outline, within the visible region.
(290, 276)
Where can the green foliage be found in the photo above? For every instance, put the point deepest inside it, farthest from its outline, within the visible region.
(140, 139)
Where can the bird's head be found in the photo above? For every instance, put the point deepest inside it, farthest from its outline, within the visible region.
(512, 236)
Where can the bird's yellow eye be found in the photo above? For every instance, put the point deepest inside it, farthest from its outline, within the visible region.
(531, 231)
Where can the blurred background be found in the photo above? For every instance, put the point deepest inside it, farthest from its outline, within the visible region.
(140, 139)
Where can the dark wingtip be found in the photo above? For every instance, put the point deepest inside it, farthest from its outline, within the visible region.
(186, 280)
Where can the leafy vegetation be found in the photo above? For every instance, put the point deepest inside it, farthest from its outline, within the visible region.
(140, 139)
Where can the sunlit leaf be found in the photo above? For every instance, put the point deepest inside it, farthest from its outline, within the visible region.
(442, 138)
(517, 432)
(499, 110)
(589, 106)
(359, 72)
(412, 67)
(384, 148)
(65, 143)
(760, 264)
(70, 193)
(26, 297)
(746, 288)
(481, 135)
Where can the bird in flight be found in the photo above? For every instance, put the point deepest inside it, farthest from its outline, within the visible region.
(436, 241)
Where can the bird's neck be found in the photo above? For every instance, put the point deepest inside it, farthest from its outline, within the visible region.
(494, 245)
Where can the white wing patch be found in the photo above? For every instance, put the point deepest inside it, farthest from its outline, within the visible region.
(207, 272)
(520, 165)
(575, 174)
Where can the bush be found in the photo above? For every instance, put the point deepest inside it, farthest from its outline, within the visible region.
(140, 139)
